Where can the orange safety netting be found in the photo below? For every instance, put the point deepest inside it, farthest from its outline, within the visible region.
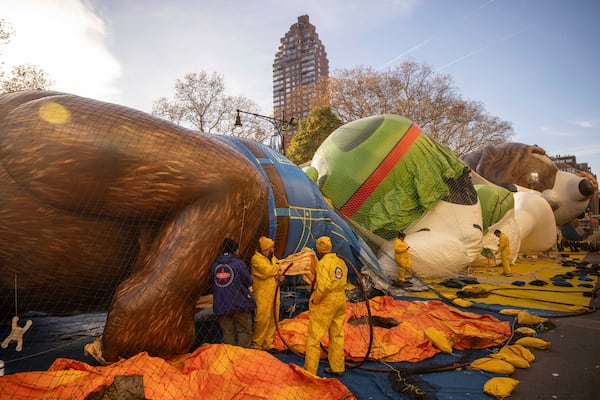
(406, 341)
(211, 372)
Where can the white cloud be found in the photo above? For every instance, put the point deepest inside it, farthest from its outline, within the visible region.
(584, 123)
(65, 39)
(556, 132)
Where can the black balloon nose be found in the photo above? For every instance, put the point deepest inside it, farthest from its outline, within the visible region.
(586, 187)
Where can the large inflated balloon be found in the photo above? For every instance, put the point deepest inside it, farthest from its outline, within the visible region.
(383, 173)
(386, 175)
(526, 167)
(104, 207)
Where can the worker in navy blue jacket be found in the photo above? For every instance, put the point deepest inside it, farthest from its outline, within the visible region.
(233, 301)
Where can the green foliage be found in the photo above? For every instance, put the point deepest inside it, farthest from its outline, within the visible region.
(487, 252)
(312, 131)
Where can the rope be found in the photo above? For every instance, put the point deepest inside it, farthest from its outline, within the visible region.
(276, 315)
(360, 365)
(370, 319)
(243, 219)
(39, 353)
(16, 297)
(368, 306)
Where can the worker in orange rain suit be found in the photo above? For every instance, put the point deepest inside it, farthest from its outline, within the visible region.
(504, 250)
(402, 257)
(327, 307)
(266, 275)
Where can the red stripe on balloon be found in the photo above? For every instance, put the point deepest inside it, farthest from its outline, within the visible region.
(373, 181)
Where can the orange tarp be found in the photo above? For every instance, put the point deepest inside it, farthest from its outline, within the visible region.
(406, 341)
(211, 372)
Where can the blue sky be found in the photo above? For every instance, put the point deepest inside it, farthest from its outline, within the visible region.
(534, 63)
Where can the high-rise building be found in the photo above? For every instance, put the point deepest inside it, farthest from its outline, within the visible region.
(300, 63)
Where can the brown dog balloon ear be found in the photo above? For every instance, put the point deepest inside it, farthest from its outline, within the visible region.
(507, 164)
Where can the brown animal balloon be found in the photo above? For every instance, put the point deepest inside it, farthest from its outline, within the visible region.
(529, 167)
(104, 206)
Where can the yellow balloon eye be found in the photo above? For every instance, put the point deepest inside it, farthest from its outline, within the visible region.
(54, 113)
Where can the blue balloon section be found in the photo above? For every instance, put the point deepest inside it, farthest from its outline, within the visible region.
(298, 212)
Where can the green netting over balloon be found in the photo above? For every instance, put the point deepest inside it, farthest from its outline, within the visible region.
(384, 173)
(495, 202)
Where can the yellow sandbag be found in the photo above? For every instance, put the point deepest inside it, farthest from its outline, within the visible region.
(510, 311)
(526, 331)
(535, 343)
(500, 387)
(462, 302)
(509, 356)
(439, 339)
(493, 365)
(579, 309)
(524, 318)
(449, 296)
(473, 291)
(521, 352)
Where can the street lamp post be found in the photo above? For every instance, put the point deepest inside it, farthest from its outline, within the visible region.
(280, 125)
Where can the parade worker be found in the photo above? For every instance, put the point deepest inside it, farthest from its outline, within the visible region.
(327, 307)
(401, 256)
(267, 276)
(233, 301)
(504, 250)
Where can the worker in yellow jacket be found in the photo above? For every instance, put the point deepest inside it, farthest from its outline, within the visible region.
(402, 257)
(504, 250)
(327, 307)
(266, 275)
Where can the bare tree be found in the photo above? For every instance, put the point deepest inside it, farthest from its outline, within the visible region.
(6, 32)
(26, 77)
(23, 76)
(416, 92)
(251, 127)
(200, 102)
